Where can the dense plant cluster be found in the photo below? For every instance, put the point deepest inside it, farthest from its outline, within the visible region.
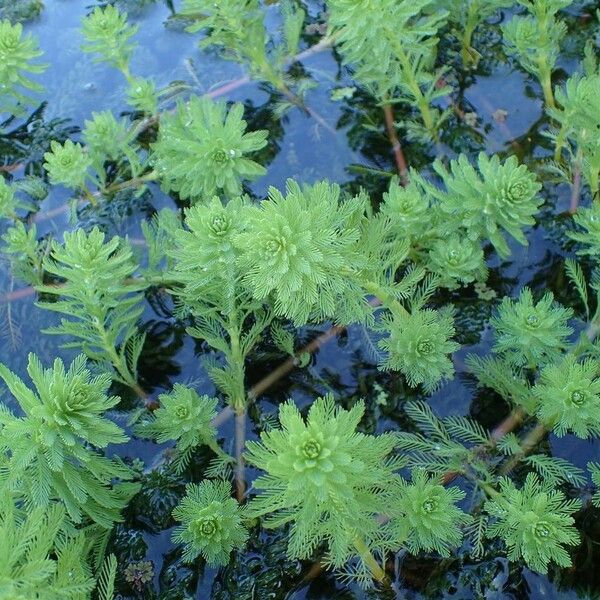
(245, 276)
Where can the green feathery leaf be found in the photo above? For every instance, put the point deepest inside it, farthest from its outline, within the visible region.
(211, 523)
(535, 522)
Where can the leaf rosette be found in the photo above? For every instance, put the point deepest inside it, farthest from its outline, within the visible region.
(531, 333)
(418, 345)
(202, 149)
(300, 248)
(428, 516)
(211, 522)
(535, 522)
(568, 396)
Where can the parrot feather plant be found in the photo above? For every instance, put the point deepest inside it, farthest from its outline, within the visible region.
(243, 275)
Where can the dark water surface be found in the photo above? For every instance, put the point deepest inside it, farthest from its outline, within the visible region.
(305, 150)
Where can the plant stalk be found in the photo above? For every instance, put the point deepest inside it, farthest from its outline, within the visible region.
(374, 567)
(395, 142)
(240, 441)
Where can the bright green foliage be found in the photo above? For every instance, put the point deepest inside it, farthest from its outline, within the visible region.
(185, 417)
(457, 261)
(211, 523)
(430, 520)
(16, 53)
(579, 123)
(8, 202)
(202, 148)
(535, 522)
(26, 255)
(207, 247)
(495, 197)
(396, 58)
(107, 34)
(568, 395)
(142, 95)
(407, 207)
(419, 344)
(238, 29)
(67, 164)
(441, 446)
(99, 298)
(531, 333)
(300, 247)
(38, 558)
(535, 39)
(588, 220)
(225, 314)
(323, 477)
(105, 136)
(595, 472)
(500, 374)
(51, 450)
(469, 14)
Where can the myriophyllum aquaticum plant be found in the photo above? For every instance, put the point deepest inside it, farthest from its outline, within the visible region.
(246, 275)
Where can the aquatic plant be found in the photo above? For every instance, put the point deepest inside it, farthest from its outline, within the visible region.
(40, 557)
(535, 40)
(17, 51)
(185, 417)
(107, 35)
(100, 299)
(531, 333)
(494, 197)
(52, 451)
(326, 479)
(211, 522)
(396, 61)
(534, 522)
(238, 30)
(568, 395)
(202, 149)
(248, 277)
(469, 15)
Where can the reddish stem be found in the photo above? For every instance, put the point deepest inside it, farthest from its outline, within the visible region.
(575, 190)
(395, 142)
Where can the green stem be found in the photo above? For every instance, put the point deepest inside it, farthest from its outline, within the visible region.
(237, 399)
(89, 196)
(385, 297)
(488, 489)
(214, 446)
(118, 361)
(367, 557)
(413, 85)
(546, 81)
(469, 55)
(134, 182)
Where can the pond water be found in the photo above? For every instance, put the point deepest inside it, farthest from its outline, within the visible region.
(305, 149)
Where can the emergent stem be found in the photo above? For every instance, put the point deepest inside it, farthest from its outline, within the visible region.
(367, 557)
(240, 441)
